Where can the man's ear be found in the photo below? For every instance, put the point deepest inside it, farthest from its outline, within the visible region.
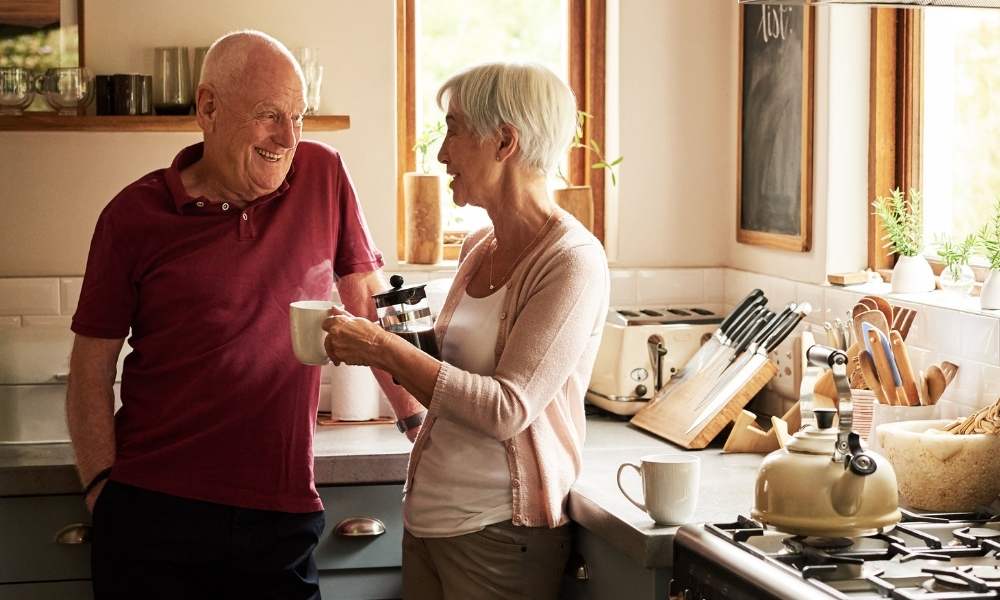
(206, 107)
(507, 142)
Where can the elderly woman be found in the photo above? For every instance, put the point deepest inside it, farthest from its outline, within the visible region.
(491, 468)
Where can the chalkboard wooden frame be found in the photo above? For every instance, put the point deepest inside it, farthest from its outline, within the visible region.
(799, 240)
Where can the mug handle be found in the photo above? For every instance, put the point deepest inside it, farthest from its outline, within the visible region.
(619, 478)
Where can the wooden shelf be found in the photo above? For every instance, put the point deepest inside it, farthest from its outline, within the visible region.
(54, 122)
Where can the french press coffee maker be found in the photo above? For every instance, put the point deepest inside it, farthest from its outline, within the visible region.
(406, 312)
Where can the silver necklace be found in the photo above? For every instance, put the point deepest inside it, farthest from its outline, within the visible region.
(493, 251)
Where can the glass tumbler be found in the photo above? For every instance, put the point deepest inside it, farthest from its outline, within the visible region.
(171, 81)
(16, 90)
(313, 72)
(68, 90)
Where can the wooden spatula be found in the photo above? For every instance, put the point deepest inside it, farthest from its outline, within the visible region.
(950, 370)
(905, 368)
(925, 396)
(903, 320)
(884, 307)
(935, 383)
(871, 377)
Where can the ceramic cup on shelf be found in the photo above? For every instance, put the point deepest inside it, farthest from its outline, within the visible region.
(306, 319)
(669, 486)
(16, 90)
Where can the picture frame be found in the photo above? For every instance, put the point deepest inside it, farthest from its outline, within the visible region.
(41, 34)
(774, 162)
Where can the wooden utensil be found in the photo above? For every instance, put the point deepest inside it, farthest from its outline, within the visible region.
(950, 370)
(854, 364)
(905, 368)
(882, 367)
(876, 319)
(871, 376)
(935, 383)
(903, 320)
(925, 396)
(867, 301)
(883, 305)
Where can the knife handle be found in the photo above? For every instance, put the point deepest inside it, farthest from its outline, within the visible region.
(905, 367)
(730, 321)
(753, 333)
(781, 332)
(744, 323)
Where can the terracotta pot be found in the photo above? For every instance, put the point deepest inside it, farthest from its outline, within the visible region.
(579, 202)
(424, 231)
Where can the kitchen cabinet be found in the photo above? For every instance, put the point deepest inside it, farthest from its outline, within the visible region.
(598, 571)
(360, 560)
(36, 562)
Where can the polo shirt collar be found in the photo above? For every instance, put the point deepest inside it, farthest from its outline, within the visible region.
(192, 154)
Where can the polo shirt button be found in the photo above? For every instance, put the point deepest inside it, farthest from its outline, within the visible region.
(516, 520)
(516, 483)
(244, 216)
(503, 316)
(225, 206)
(199, 204)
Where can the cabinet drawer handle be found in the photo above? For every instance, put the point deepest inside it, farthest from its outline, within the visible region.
(74, 534)
(360, 527)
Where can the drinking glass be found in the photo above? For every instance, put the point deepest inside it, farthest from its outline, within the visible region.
(16, 90)
(68, 90)
(171, 81)
(199, 60)
(313, 72)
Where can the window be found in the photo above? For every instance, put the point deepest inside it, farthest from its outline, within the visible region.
(437, 38)
(961, 126)
(932, 128)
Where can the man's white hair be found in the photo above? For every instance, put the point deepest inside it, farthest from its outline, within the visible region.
(526, 96)
(228, 58)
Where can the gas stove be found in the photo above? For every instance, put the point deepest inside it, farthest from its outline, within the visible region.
(928, 556)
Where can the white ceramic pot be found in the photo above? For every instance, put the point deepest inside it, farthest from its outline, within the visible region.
(911, 275)
(990, 296)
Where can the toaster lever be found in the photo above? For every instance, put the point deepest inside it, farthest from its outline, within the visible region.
(657, 350)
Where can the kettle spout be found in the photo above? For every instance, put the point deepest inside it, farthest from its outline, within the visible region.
(846, 493)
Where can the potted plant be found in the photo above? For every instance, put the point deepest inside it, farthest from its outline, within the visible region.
(957, 276)
(902, 219)
(578, 199)
(989, 241)
(422, 192)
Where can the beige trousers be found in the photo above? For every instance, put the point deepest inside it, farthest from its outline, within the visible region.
(502, 561)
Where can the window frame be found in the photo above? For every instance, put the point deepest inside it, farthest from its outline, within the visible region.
(587, 21)
(895, 140)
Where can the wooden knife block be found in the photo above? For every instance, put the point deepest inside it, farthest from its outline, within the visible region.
(670, 417)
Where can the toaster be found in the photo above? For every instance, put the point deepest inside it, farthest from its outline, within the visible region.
(642, 348)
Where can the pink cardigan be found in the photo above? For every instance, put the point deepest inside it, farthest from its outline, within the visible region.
(550, 327)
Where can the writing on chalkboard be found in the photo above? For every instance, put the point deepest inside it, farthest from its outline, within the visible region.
(775, 22)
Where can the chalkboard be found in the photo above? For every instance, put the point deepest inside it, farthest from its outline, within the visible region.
(775, 145)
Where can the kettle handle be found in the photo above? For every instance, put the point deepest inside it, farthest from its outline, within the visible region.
(641, 506)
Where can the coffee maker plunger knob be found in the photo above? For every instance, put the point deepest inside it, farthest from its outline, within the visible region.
(396, 281)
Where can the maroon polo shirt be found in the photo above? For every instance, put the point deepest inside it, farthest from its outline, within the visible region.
(215, 406)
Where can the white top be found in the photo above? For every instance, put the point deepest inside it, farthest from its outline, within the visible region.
(462, 482)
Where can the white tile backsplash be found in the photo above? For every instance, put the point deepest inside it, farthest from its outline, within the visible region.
(714, 285)
(63, 322)
(622, 287)
(10, 321)
(69, 294)
(29, 296)
(980, 338)
(813, 294)
(670, 286)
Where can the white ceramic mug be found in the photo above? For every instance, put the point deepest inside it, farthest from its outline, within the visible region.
(306, 318)
(669, 486)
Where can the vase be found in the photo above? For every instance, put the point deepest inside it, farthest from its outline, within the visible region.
(989, 299)
(579, 202)
(912, 275)
(959, 283)
(424, 231)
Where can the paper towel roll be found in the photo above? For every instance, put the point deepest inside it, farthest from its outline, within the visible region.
(353, 394)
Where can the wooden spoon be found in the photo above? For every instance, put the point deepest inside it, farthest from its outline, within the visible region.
(925, 396)
(883, 305)
(871, 377)
(867, 301)
(935, 383)
(950, 370)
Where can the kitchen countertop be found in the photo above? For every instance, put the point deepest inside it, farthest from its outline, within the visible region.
(370, 454)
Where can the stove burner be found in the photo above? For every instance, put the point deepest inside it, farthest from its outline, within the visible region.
(982, 533)
(830, 544)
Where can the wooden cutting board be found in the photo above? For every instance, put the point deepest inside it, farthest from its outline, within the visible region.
(671, 417)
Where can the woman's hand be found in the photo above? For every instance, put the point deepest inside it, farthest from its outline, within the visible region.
(352, 340)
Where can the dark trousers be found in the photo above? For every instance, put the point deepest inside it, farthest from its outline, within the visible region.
(150, 545)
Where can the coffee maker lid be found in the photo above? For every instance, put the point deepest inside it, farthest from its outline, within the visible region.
(399, 294)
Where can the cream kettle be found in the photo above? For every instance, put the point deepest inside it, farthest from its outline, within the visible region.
(824, 482)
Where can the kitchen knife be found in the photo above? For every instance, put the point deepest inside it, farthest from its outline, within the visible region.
(744, 353)
(739, 378)
(721, 335)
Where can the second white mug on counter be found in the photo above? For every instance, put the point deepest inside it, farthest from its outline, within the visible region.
(306, 318)
(669, 486)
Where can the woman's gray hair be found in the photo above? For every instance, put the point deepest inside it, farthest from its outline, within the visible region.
(526, 96)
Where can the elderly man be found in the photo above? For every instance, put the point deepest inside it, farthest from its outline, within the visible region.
(203, 481)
